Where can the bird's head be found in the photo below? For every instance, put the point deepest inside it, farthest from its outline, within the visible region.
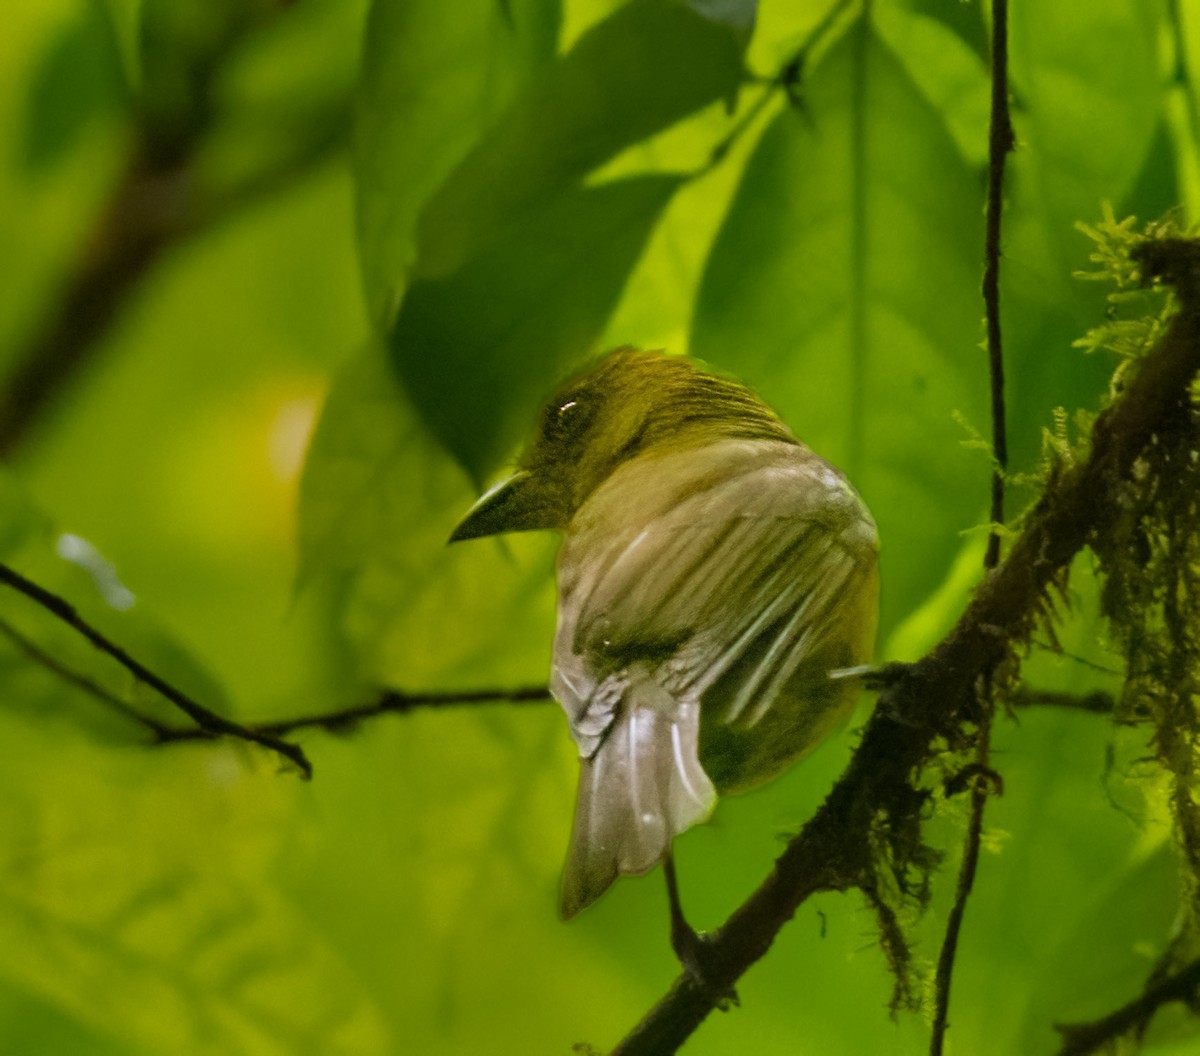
(629, 404)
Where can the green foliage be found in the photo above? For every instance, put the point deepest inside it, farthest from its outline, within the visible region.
(418, 216)
(812, 296)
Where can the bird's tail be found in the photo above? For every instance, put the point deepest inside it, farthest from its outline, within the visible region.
(643, 786)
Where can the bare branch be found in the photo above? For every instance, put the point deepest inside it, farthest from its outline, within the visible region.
(1082, 1039)
(1000, 145)
(214, 724)
(389, 702)
(1097, 702)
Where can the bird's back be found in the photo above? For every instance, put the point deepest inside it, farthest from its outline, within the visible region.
(741, 574)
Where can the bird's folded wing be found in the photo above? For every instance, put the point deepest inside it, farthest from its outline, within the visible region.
(756, 565)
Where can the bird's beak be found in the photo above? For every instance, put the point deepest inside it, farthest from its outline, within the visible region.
(514, 505)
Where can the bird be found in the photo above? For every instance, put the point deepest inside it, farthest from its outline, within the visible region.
(716, 578)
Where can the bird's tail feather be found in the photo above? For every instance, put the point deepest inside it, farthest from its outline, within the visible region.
(643, 786)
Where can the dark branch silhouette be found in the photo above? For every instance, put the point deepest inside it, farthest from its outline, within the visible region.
(1000, 144)
(389, 702)
(1083, 1039)
(209, 721)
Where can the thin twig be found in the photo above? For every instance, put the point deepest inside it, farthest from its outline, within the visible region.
(202, 716)
(1097, 702)
(389, 702)
(1000, 143)
(981, 789)
(789, 75)
(92, 688)
(1082, 1039)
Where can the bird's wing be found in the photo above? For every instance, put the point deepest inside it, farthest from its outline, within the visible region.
(755, 565)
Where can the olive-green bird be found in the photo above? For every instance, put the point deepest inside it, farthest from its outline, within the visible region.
(714, 571)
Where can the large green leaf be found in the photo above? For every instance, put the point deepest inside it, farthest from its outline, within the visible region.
(844, 287)
(133, 896)
(1089, 97)
(1087, 104)
(78, 81)
(378, 501)
(434, 76)
(479, 349)
(639, 71)
(126, 19)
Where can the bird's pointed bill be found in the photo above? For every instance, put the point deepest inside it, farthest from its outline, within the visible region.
(513, 505)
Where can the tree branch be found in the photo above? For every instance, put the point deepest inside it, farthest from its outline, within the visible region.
(1000, 145)
(875, 798)
(389, 702)
(1082, 1039)
(210, 721)
(1097, 702)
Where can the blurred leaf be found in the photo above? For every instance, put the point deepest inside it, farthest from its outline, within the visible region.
(1116, 931)
(968, 22)
(35, 644)
(1088, 99)
(738, 14)
(421, 108)
(125, 16)
(77, 82)
(843, 287)
(606, 94)
(944, 66)
(377, 503)
(116, 903)
(479, 349)
(282, 102)
(1069, 67)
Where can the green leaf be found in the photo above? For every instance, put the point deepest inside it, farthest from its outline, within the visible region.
(479, 349)
(639, 71)
(378, 501)
(945, 67)
(1116, 930)
(125, 17)
(1088, 83)
(1088, 102)
(420, 108)
(844, 288)
(77, 82)
(135, 897)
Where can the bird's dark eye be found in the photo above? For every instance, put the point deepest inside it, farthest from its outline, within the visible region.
(564, 420)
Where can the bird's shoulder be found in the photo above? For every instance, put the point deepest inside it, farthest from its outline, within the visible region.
(704, 489)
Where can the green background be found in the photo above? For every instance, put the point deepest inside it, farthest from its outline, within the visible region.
(406, 220)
